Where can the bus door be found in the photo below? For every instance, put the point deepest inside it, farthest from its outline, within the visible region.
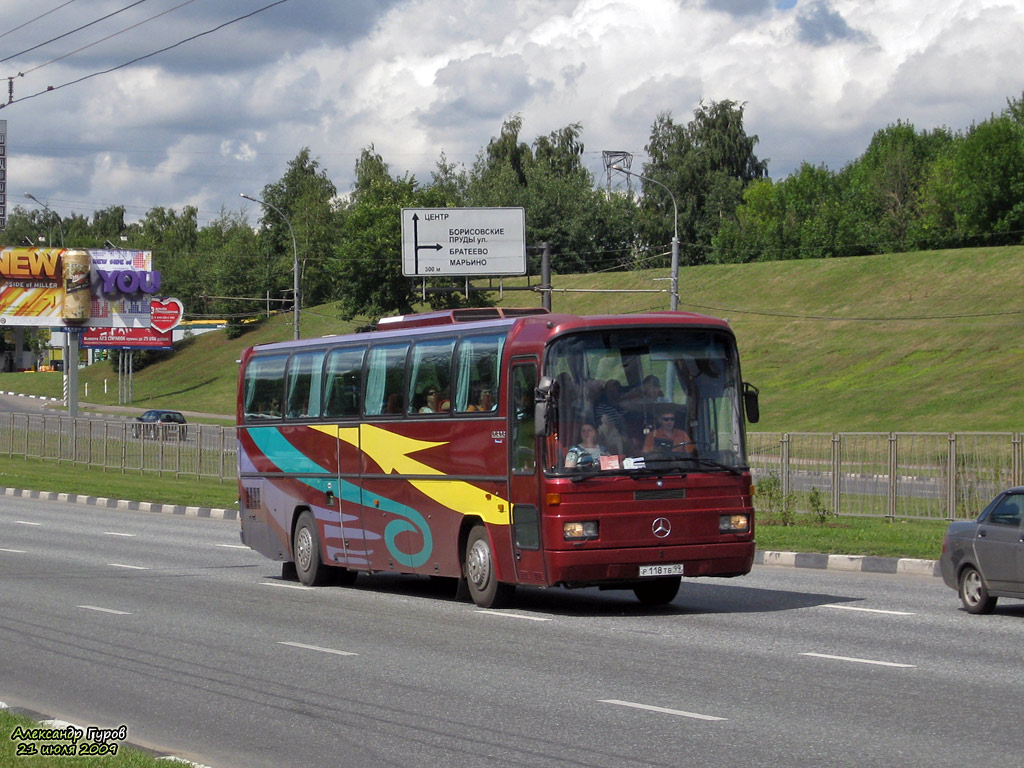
(523, 479)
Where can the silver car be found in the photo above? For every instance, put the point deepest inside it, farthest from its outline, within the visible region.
(984, 559)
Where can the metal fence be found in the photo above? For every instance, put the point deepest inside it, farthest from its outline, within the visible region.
(942, 476)
(182, 450)
(881, 474)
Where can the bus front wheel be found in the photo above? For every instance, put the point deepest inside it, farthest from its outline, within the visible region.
(484, 587)
(306, 547)
(657, 591)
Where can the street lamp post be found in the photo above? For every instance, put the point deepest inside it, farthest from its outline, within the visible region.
(60, 227)
(295, 256)
(674, 303)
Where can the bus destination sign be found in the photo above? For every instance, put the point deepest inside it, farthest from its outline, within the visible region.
(440, 242)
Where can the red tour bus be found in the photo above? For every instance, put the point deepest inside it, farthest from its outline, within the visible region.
(502, 448)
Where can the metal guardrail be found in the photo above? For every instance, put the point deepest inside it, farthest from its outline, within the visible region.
(184, 450)
(881, 474)
(944, 476)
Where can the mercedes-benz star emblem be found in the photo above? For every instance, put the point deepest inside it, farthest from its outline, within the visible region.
(661, 527)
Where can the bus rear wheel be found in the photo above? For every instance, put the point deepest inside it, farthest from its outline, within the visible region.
(658, 591)
(306, 548)
(484, 587)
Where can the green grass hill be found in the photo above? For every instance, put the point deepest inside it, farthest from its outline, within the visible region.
(928, 341)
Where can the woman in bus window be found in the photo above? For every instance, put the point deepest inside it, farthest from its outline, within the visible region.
(587, 452)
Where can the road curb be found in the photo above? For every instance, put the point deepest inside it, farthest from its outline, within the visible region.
(213, 513)
(908, 566)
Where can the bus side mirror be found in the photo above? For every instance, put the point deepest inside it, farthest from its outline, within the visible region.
(750, 404)
(542, 397)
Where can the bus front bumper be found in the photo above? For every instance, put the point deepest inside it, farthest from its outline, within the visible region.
(589, 567)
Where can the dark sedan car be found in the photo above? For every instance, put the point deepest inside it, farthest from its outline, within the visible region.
(163, 424)
(984, 559)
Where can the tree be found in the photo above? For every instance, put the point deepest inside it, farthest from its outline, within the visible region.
(234, 279)
(885, 184)
(367, 258)
(174, 239)
(306, 196)
(706, 164)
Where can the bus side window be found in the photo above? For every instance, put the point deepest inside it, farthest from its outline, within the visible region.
(476, 373)
(343, 382)
(264, 378)
(385, 379)
(302, 385)
(430, 371)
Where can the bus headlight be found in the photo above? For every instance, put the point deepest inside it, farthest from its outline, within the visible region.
(733, 523)
(580, 531)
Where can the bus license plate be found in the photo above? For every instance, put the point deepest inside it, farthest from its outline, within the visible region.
(674, 569)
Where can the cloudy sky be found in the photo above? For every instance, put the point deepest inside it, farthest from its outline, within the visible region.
(242, 87)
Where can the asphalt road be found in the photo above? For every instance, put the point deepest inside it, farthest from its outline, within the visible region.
(161, 623)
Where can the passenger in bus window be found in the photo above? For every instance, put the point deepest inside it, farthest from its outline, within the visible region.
(666, 437)
(649, 391)
(485, 402)
(441, 402)
(587, 452)
(610, 405)
(609, 436)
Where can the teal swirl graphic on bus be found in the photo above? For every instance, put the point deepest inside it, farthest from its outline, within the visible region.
(290, 459)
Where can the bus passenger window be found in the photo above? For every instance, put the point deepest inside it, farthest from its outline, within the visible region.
(264, 379)
(302, 385)
(343, 382)
(476, 373)
(430, 368)
(385, 379)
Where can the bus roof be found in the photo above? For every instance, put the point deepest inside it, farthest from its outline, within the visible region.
(492, 317)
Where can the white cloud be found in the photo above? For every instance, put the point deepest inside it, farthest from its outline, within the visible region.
(226, 112)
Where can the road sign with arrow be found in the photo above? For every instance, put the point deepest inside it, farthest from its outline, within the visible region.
(439, 242)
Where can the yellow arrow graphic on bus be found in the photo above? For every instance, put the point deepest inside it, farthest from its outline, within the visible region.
(391, 453)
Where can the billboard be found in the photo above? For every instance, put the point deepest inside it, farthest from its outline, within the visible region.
(126, 338)
(83, 288)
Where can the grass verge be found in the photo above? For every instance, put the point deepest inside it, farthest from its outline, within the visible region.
(876, 536)
(19, 750)
(62, 477)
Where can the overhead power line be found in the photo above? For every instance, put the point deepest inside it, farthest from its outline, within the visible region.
(77, 29)
(104, 39)
(37, 18)
(49, 89)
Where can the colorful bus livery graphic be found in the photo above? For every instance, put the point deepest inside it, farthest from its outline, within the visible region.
(459, 445)
(271, 453)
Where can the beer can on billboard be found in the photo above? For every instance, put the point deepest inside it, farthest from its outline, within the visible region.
(77, 296)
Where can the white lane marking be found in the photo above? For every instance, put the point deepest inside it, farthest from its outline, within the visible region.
(104, 610)
(26, 522)
(15, 551)
(284, 586)
(513, 615)
(115, 533)
(650, 708)
(860, 661)
(318, 648)
(132, 567)
(867, 610)
(232, 546)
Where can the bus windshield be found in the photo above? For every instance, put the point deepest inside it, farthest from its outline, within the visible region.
(644, 400)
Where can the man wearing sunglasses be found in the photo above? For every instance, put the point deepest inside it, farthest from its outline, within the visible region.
(666, 437)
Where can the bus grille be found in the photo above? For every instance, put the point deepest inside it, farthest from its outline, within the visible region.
(668, 493)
